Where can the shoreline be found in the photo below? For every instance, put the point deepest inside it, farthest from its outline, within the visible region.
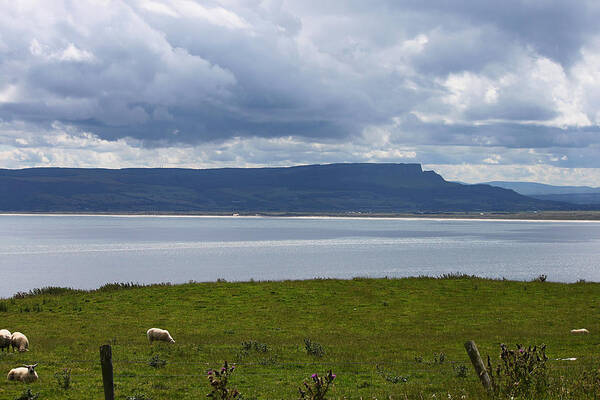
(542, 216)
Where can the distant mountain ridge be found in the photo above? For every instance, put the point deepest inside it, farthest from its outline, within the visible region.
(529, 188)
(331, 188)
(568, 194)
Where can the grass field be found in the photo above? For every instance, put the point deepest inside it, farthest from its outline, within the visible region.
(381, 337)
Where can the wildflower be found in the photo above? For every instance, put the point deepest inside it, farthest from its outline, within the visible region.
(318, 388)
(218, 380)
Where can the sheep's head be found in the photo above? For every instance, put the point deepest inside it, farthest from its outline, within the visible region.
(31, 368)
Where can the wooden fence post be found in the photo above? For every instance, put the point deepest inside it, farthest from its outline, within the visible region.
(107, 372)
(479, 366)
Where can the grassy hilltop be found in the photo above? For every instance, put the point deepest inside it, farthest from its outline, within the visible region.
(375, 334)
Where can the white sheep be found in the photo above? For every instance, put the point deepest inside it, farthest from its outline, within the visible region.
(24, 374)
(160, 335)
(4, 339)
(19, 341)
(581, 331)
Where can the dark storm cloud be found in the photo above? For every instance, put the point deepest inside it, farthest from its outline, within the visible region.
(500, 134)
(556, 29)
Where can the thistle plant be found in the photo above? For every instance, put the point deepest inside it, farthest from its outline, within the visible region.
(521, 372)
(218, 380)
(317, 387)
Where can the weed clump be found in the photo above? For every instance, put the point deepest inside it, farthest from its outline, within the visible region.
(48, 290)
(157, 362)
(521, 372)
(109, 287)
(28, 395)
(390, 376)
(63, 378)
(439, 358)
(460, 370)
(254, 345)
(138, 396)
(313, 348)
(457, 275)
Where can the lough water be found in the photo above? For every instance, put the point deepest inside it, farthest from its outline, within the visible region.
(88, 251)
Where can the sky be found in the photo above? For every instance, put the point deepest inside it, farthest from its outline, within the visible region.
(475, 90)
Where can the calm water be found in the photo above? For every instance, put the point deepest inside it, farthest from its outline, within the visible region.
(87, 251)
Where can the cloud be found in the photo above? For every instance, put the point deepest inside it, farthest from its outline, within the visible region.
(477, 173)
(159, 8)
(223, 82)
(69, 54)
(21, 146)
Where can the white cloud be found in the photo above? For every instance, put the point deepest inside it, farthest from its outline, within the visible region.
(493, 159)
(159, 8)
(216, 15)
(9, 94)
(542, 173)
(70, 53)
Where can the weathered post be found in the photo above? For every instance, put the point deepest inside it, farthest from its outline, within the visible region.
(479, 366)
(107, 372)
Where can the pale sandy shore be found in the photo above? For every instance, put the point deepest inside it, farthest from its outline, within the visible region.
(546, 216)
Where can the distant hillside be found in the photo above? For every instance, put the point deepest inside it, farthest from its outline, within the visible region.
(569, 194)
(334, 188)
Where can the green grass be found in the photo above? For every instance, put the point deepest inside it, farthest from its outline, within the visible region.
(370, 329)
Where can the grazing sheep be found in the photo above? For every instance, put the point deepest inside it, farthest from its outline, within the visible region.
(24, 374)
(160, 335)
(19, 341)
(581, 331)
(4, 339)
